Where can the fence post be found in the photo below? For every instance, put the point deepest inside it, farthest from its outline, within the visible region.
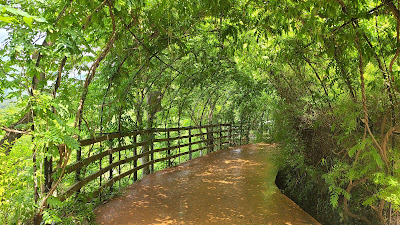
(237, 135)
(247, 134)
(179, 145)
(100, 161)
(190, 143)
(135, 177)
(220, 137)
(230, 135)
(119, 159)
(78, 171)
(169, 150)
(145, 137)
(240, 134)
(201, 137)
(110, 161)
(151, 150)
(210, 139)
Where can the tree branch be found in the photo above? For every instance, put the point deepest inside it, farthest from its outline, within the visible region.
(14, 131)
(346, 201)
(394, 9)
(62, 12)
(92, 70)
(355, 18)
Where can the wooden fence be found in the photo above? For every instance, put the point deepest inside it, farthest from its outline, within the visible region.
(116, 156)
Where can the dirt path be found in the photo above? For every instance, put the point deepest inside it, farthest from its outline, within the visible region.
(233, 186)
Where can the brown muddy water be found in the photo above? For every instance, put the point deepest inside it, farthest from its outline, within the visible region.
(231, 186)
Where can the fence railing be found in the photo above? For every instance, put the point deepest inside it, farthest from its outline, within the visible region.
(128, 156)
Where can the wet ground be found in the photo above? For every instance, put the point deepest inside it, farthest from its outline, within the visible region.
(232, 186)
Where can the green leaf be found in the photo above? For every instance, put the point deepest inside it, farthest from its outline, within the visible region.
(353, 150)
(359, 146)
(7, 19)
(118, 7)
(17, 12)
(2, 191)
(39, 19)
(377, 158)
(54, 201)
(19, 48)
(369, 201)
(334, 200)
(28, 20)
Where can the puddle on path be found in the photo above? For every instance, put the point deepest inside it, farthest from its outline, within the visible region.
(232, 186)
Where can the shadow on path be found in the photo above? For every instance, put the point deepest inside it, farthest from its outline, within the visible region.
(231, 186)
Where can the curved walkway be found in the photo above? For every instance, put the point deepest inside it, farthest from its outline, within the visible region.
(232, 186)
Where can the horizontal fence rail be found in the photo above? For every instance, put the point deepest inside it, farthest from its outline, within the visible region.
(104, 160)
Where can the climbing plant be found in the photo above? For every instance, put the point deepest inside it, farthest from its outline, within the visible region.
(338, 84)
(319, 76)
(77, 69)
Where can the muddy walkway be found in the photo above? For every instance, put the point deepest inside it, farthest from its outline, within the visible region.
(233, 186)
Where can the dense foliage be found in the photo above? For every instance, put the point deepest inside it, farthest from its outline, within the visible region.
(319, 76)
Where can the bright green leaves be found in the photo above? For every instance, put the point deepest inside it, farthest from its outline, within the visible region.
(7, 19)
(15, 11)
(355, 149)
(54, 201)
(52, 129)
(50, 215)
(336, 192)
(15, 182)
(390, 191)
(359, 146)
(212, 62)
(119, 5)
(368, 153)
(336, 180)
(377, 158)
(28, 19)
(159, 45)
